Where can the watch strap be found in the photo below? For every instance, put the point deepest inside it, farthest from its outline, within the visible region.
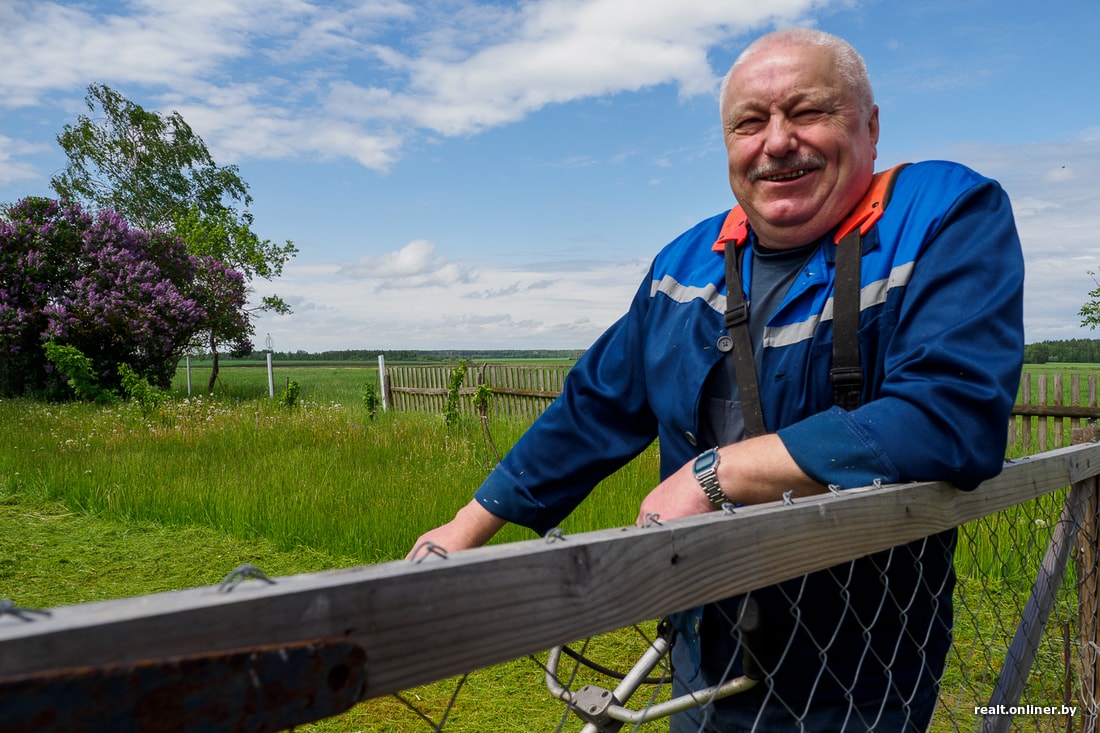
(708, 478)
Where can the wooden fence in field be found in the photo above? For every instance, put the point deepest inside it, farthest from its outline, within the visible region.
(1049, 407)
(517, 390)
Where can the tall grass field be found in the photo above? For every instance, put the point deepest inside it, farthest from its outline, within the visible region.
(102, 502)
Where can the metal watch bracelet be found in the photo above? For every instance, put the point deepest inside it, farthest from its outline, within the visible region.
(705, 470)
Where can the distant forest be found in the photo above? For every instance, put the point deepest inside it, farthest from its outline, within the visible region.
(411, 356)
(1072, 351)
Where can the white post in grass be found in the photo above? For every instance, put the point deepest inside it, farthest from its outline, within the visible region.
(270, 379)
(382, 379)
(188, 375)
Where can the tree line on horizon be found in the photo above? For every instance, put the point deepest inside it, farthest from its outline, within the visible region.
(1069, 351)
(407, 355)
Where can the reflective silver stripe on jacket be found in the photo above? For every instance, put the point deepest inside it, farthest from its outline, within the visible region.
(871, 295)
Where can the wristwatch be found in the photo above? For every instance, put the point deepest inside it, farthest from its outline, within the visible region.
(705, 470)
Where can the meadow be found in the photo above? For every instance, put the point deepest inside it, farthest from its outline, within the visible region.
(107, 502)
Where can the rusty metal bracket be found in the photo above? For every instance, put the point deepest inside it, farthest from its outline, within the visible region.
(258, 689)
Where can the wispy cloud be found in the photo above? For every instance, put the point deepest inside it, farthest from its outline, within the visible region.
(11, 167)
(283, 78)
(413, 266)
(554, 305)
(1056, 202)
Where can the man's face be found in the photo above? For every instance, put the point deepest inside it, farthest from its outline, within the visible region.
(801, 153)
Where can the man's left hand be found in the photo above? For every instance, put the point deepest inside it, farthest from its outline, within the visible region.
(680, 495)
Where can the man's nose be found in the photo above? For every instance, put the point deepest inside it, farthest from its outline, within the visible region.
(780, 138)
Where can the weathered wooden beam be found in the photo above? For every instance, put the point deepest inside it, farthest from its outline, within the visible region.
(1069, 411)
(426, 621)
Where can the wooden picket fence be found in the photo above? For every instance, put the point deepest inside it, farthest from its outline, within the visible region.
(518, 390)
(1050, 407)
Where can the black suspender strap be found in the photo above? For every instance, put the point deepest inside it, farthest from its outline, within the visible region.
(847, 374)
(737, 323)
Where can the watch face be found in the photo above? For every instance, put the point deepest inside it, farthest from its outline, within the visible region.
(705, 461)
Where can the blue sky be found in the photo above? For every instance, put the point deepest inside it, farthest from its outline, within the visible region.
(463, 174)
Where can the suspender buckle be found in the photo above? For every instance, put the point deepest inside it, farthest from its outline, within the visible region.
(846, 377)
(847, 387)
(736, 315)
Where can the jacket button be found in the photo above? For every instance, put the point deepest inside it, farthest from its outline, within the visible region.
(691, 437)
(725, 344)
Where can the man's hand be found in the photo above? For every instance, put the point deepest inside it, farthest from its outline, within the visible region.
(473, 526)
(750, 472)
(679, 495)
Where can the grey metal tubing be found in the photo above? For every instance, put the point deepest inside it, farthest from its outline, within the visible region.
(630, 683)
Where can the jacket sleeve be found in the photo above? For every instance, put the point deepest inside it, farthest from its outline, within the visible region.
(601, 420)
(951, 367)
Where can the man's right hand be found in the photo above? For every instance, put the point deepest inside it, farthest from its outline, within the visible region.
(472, 526)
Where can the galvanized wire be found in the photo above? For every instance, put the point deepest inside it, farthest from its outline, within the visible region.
(997, 559)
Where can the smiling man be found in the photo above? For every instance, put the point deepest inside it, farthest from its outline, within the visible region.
(835, 329)
(801, 139)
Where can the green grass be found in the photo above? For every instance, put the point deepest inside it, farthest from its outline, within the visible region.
(328, 383)
(322, 476)
(100, 503)
(54, 556)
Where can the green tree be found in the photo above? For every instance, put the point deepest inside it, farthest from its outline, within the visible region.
(230, 240)
(157, 173)
(1090, 311)
(148, 168)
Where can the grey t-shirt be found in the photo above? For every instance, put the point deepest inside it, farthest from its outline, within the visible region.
(773, 273)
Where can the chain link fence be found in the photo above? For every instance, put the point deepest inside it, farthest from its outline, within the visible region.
(1023, 654)
(1019, 575)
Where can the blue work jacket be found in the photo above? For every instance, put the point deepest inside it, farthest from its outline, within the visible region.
(941, 340)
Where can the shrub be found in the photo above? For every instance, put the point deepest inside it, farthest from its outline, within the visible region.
(114, 293)
(148, 397)
(289, 396)
(371, 400)
(75, 370)
(450, 408)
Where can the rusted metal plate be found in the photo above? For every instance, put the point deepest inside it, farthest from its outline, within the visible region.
(253, 690)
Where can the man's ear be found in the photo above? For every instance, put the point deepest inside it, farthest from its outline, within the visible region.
(872, 128)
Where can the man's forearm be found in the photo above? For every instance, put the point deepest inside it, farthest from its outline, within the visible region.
(750, 472)
(760, 470)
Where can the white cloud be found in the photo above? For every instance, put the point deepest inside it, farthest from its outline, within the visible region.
(413, 266)
(1056, 202)
(563, 50)
(281, 78)
(11, 168)
(63, 47)
(544, 305)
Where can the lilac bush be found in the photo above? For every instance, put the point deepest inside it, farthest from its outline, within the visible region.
(40, 244)
(118, 294)
(224, 295)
